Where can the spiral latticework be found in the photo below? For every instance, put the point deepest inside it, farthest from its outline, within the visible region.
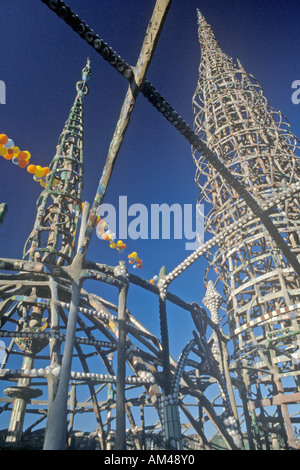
(256, 144)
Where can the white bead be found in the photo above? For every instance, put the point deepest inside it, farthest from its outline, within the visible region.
(56, 371)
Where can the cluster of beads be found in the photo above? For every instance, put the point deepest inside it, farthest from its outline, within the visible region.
(154, 280)
(9, 151)
(121, 270)
(135, 260)
(39, 173)
(55, 369)
(145, 377)
(232, 429)
(103, 232)
(41, 335)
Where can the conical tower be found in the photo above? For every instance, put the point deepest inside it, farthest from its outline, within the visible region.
(261, 289)
(52, 239)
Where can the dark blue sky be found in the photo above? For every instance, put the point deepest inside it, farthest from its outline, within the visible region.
(41, 60)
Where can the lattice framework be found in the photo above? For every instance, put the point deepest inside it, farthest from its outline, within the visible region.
(55, 286)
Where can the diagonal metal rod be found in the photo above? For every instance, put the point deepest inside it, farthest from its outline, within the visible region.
(152, 34)
(159, 102)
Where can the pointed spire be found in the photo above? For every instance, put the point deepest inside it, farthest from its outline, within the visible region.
(199, 14)
(202, 20)
(207, 39)
(3, 211)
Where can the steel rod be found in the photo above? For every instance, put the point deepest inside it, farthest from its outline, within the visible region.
(55, 437)
(139, 72)
(120, 443)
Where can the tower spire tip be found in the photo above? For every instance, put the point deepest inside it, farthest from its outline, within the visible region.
(199, 14)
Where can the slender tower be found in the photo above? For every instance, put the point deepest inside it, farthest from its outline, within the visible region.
(46, 331)
(52, 241)
(261, 289)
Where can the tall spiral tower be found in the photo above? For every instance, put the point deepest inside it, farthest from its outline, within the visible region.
(52, 241)
(261, 289)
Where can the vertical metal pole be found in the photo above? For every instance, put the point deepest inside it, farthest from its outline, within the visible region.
(55, 438)
(143, 427)
(54, 343)
(120, 443)
(72, 415)
(110, 397)
(15, 428)
(228, 381)
(171, 413)
(165, 345)
(286, 417)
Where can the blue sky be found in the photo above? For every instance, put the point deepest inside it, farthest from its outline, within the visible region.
(41, 60)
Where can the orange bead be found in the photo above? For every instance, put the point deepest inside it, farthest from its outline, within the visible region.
(152, 281)
(31, 169)
(8, 156)
(22, 155)
(3, 139)
(22, 163)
